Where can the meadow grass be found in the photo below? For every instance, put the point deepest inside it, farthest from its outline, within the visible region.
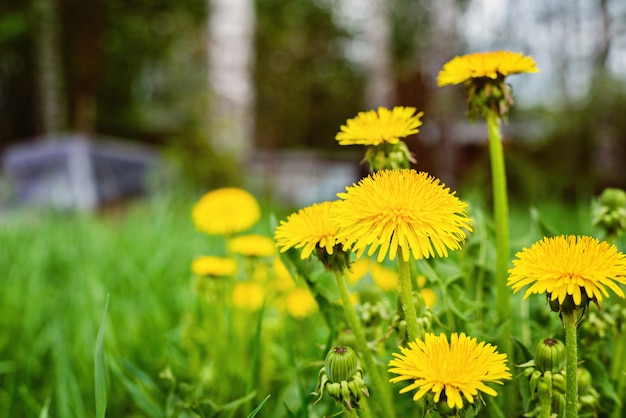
(170, 352)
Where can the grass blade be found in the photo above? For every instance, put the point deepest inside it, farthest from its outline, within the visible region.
(100, 368)
(258, 408)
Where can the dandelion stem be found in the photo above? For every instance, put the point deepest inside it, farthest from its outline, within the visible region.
(570, 322)
(385, 404)
(501, 221)
(406, 296)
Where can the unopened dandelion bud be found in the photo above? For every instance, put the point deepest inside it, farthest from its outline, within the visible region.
(558, 382)
(341, 363)
(550, 355)
(341, 377)
(533, 382)
(609, 212)
(584, 380)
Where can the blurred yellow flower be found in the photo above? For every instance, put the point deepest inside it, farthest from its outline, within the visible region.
(300, 303)
(385, 278)
(214, 266)
(374, 128)
(225, 211)
(561, 266)
(491, 65)
(309, 228)
(421, 280)
(400, 210)
(248, 295)
(429, 296)
(252, 245)
(283, 280)
(358, 269)
(457, 369)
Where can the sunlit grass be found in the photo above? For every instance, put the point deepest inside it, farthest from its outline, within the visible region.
(169, 352)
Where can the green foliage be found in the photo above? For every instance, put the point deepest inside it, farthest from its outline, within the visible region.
(306, 87)
(153, 75)
(174, 352)
(575, 152)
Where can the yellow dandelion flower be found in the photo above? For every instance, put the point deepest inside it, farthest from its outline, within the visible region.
(429, 296)
(385, 278)
(300, 303)
(560, 266)
(248, 295)
(401, 210)
(491, 65)
(225, 211)
(282, 280)
(309, 228)
(436, 366)
(421, 280)
(252, 245)
(374, 128)
(358, 270)
(214, 266)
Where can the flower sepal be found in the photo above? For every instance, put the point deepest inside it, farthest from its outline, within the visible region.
(388, 156)
(486, 95)
(337, 261)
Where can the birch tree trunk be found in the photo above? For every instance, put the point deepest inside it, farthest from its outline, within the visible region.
(231, 60)
(50, 69)
(380, 89)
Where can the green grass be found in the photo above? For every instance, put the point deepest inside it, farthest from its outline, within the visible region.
(165, 352)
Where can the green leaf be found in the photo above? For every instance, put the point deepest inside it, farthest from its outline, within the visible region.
(601, 379)
(100, 368)
(258, 408)
(141, 388)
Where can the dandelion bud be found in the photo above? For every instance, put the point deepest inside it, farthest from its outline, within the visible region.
(609, 212)
(388, 156)
(341, 377)
(340, 364)
(550, 355)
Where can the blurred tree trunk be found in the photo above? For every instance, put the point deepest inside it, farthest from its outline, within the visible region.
(87, 60)
(50, 86)
(604, 38)
(231, 57)
(379, 90)
(443, 44)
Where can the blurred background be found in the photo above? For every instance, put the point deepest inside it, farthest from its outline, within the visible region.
(252, 92)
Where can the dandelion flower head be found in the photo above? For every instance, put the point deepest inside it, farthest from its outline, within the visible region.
(300, 303)
(214, 266)
(225, 211)
(401, 210)
(434, 365)
(383, 277)
(248, 295)
(491, 65)
(376, 127)
(252, 245)
(308, 228)
(569, 265)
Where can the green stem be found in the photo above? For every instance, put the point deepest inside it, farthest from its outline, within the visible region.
(380, 387)
(432, 275)
(350, 412)
(406, 296)
(571, 365)
(501, 221)
(546, 406)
